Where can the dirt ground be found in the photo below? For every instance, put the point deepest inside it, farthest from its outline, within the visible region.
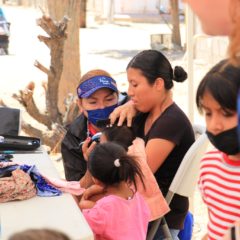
(101, 45)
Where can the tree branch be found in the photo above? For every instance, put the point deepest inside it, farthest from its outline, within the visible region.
(41, 67)
(52, 28)
(53, 118)
(57, 33)
(44, 39)
(26, 99)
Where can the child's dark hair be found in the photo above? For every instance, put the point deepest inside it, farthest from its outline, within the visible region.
(153, 64)
(109, 163)
(39, 234)
(222, 82)
(122, 135)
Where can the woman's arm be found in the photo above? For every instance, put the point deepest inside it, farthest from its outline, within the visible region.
(157, 151)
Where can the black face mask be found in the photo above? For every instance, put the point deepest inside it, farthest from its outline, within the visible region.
(226, 141)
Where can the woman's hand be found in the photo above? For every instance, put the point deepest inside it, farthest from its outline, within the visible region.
(86, 150)
(125, 112)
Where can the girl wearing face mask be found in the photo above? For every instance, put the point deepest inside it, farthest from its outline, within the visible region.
(97, 98)
(219, 180)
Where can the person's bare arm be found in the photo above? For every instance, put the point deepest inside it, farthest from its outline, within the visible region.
(125, 112)
(157, 151)
(90, 196)
(92, 191)
(86, 204)
(86, 181)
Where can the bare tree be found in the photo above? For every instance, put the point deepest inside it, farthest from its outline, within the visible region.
(110, 11)
(55, 42)
(83, 14)
(71, 60)
(62, 75)
(176, 36)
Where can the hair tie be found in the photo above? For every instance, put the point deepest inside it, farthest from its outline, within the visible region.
(117, 163)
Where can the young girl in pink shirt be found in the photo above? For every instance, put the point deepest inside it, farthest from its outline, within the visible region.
(150, 191)
(122, 212)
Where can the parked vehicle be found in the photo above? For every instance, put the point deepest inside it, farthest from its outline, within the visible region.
(4, 32)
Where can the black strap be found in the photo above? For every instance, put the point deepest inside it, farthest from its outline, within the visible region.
(233, 234)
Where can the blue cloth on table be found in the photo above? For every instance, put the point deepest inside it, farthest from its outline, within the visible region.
(43, 188)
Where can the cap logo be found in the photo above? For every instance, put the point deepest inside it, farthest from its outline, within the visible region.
(88, 87)
(104, 81)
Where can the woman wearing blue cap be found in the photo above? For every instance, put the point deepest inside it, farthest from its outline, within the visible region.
(97, 97)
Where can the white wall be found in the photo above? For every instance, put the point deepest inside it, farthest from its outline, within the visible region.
(130, 6)
(136, 6)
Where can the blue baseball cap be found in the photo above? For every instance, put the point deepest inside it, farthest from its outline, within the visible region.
(90, 86)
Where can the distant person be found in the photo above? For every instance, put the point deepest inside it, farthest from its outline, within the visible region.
(4, 32)
(122, 213)
(39, 234)
(220, 18)
(219, 180)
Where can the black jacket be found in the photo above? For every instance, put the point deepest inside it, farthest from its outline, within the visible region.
(74, 163)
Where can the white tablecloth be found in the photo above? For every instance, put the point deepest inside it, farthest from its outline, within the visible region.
(59, 213)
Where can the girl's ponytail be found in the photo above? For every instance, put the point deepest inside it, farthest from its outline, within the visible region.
(129, 169)
(110, 163)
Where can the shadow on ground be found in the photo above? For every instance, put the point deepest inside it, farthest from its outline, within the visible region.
(172, 55)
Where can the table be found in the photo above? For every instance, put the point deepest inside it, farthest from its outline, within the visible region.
(59, 213)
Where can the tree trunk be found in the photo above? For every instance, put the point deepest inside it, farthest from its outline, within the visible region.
(62, 75)
(83, 14)
(71, 60)
(110, 11)
(176, 36)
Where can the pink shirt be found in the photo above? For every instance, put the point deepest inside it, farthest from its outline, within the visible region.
(152, 193)
(115, 218)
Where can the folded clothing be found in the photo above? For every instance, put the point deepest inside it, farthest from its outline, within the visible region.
(17, 187)
(44, 189)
